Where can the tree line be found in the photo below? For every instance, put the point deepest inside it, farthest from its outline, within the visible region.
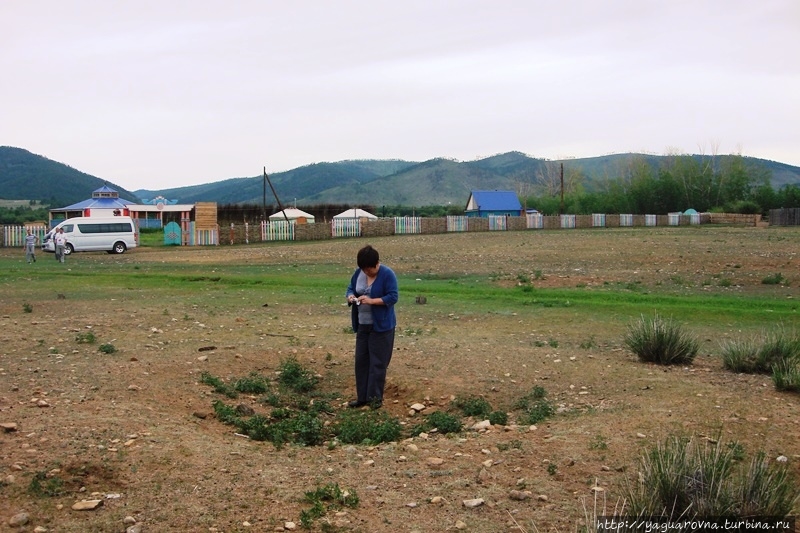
(19, 215)
(732, 185)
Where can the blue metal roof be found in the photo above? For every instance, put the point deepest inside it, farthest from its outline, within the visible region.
(99, 203)
(495, 201)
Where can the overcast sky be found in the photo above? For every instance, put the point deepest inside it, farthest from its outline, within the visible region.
(166, 93)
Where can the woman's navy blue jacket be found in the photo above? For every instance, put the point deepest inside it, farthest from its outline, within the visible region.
(385, 288)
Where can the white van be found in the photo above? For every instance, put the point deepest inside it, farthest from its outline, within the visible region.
(91, 234)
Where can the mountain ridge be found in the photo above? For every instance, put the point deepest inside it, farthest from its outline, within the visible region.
(438, 181)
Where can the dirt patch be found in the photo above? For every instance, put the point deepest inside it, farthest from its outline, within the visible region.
(136, 427)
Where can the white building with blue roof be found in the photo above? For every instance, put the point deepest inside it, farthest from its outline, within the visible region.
(105, 202)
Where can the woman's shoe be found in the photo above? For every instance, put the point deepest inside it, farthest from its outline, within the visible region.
(353, 404)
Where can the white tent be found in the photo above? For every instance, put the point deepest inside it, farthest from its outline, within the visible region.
(292, 213)
(355, 213)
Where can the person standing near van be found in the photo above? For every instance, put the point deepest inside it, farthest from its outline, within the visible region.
(61, 244)
(30, 246)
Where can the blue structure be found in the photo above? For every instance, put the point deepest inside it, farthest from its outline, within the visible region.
(495, 203)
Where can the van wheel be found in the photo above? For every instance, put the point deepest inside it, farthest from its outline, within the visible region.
(68, 249)
(119, 247)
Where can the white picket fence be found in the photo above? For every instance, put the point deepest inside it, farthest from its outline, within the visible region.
(282, 230)
(14, 236)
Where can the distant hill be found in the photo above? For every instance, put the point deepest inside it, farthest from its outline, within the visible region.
(27, 176)
(299, 183)
(359, 182)
(435, 182)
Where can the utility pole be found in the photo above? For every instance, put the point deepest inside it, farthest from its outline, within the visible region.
(264, 197)
(275, 195)
(561, 209)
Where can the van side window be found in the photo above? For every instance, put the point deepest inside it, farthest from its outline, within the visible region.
(116, 227)
(67, 228)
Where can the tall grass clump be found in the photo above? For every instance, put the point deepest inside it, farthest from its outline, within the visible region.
(776, 353)
(741, 355)
(662, 341)
(766, 490)
(786, 375)
(779, 345)
(686, 478)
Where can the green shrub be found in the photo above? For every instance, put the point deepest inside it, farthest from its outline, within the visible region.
(307, 429)
(498, 418)
(219, 386)
(473, 406)
(367, 427)
(746, 207)
(85, 338)
(303, 428)
(107, 348)
(535, 406)
(28, 308)
(42, 485)
(661, 341)
(254, 383)
(295, 377)
(441, 421)
(774, 279)
(225, 413)
(687, 478)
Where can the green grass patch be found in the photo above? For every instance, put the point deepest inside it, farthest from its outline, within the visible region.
(44, 485)
(325, 499)
(86, 337)
(367, 427)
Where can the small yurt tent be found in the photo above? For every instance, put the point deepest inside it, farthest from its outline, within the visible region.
(355, 213)
(293, 214)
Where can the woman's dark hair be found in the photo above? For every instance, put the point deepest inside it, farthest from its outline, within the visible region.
(367, 257)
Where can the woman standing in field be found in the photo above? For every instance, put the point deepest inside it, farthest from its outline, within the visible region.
(371, 295)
